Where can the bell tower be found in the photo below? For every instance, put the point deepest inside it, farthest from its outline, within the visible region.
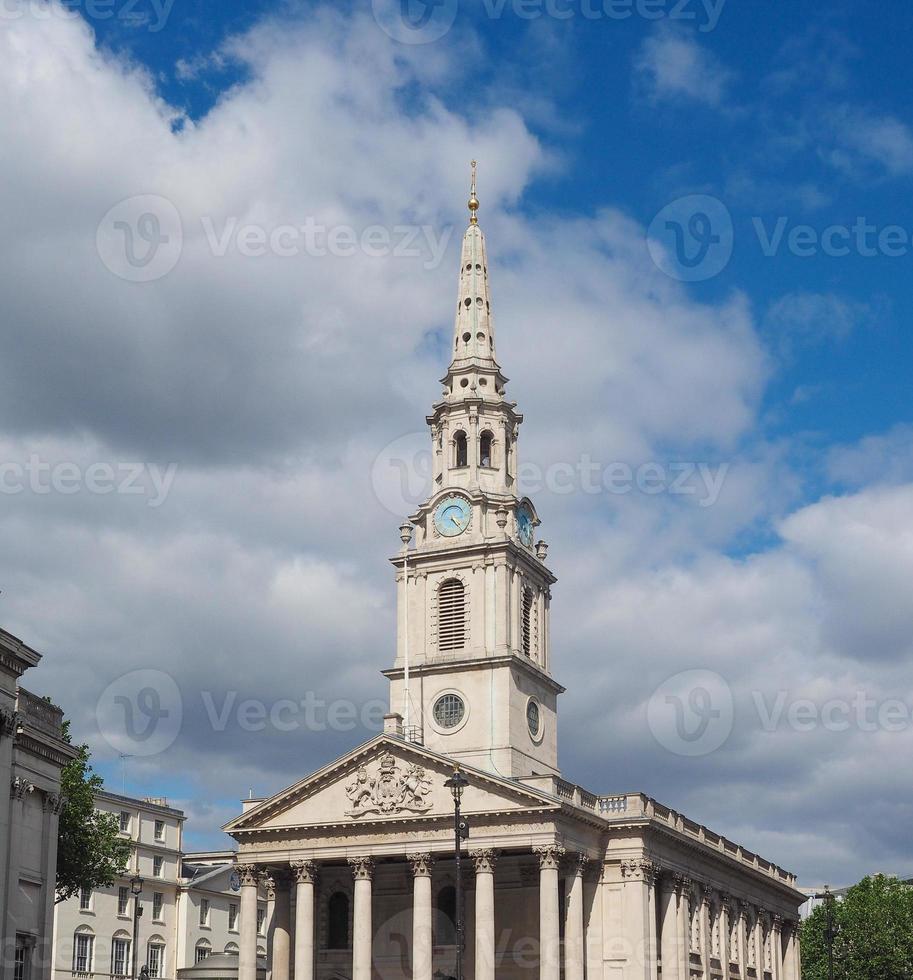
(472, 677)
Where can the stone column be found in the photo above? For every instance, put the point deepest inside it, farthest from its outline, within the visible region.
(743, 937)
(776, 949)
(247, 951)
(706, 950)
(684, 926)
(362, 928)
(305, 873)
(549, 935)
(281, 927)
(485, 861)
(792, 965)
(574, 942)
(421, 915)
(725, 905)
(669, 948)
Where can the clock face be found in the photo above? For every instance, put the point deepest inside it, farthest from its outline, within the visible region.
(525, 526)
(452, 516)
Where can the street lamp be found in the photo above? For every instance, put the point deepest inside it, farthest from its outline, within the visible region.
(830, 928)
(456, 784)
(136, 887)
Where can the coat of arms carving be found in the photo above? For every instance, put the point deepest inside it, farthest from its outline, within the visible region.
(389, 789)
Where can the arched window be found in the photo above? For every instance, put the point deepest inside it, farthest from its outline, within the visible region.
(338, 921)
(203, 949)
(451, 615)
(527, 624)
(83, 950)
(485, 443)
(231, 947)
(462, 456)
(446, 917)
(120, 953)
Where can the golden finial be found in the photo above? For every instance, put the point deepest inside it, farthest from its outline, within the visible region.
(473, 200)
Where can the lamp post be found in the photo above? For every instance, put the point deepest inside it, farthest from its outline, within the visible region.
(830, 929)
(456, 784)
(136, 887)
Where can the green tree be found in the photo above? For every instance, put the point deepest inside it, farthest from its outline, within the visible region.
(90, 851)
(874, 940)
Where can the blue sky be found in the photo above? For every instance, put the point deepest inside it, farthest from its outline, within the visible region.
(700, 226)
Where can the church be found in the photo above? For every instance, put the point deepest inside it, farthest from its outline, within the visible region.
(367, 874)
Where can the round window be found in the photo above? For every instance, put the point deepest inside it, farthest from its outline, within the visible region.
(533, 719)
(449, 710)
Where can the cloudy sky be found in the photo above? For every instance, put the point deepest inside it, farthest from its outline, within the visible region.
(228, 275)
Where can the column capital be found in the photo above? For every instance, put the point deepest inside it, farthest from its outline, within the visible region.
(421, 862)
(550, 856)
(745, 909)
(649, 871)
(777, 922)
(578, 863)
(248, 873)
(305, 871)
(362, 867)
(726, 902)
(9, 721)
(484, 859)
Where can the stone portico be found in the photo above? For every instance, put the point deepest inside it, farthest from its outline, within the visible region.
(561, 883)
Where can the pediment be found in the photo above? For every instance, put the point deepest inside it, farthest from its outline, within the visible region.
(385, 780)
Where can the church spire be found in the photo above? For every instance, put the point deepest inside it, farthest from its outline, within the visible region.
(473, 330)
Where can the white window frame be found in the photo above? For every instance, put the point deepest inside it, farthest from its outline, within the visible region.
(204, 911)
(89, 940)
(232, 916)
(125, 821)
(123, 908)
(155, 969)
(116, 943)
(158, 831)
(158, 866)
(85, 899)
(158, 898)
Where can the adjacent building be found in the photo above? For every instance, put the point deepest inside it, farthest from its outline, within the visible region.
(190, 903)
(32, 754)
(561, 881)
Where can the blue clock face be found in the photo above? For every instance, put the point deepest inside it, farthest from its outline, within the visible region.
(525, 526)
(452, 516)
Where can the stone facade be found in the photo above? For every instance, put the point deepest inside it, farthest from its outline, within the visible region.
(190, 903)
(32, 754)
(558, 881)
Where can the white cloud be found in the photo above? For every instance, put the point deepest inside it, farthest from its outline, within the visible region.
(672, 66)
(273, 383)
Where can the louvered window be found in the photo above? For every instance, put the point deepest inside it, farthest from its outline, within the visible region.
(451, 615)
(527, 622)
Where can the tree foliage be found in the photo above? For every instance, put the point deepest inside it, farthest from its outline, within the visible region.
(90, 851)
(874, 940)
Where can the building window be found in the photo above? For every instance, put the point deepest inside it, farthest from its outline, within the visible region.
(527, 622)
(449, 710)
(159, 829)
(157, 901)
(123, 900)
(155, 959)
(124, 822)
(451, 615)
(462, 456)
(158, 863)
(338, 921)
(232, 916)
(85, 899)
(120, 956)
(22, 966)
(445, 920)
(202, 952)
(204, 911)
(533, 717)
(485, 443)
(261, 920)
(83, 948)
(231, 947)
